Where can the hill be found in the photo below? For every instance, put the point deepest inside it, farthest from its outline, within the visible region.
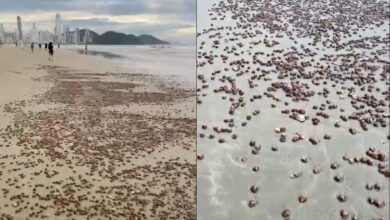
(149, 39)
(116, 38)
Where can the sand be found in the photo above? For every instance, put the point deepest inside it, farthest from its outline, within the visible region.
(82, 138)
(270, 149)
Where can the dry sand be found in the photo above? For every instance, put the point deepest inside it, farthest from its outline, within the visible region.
(81, 138)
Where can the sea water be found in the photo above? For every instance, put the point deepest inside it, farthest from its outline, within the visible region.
(161, 60)
(223, 181)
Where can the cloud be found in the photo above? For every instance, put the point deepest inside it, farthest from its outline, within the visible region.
(163, 18)
(186, 30)
(110, 7)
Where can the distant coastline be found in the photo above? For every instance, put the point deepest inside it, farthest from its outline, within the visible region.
(116, 38)
(86, 36)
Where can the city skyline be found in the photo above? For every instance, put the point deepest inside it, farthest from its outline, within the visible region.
(33, 26)
(60, 34)
(167, 19)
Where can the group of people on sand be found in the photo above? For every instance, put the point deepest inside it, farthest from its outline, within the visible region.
(48, 46)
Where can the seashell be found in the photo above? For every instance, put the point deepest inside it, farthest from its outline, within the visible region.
(252, 203)
(334, 166)
(302, 199)
(344, 214)
(254, 188)
(339, 178)
(296, 175)
(286, 213)
(341, 198)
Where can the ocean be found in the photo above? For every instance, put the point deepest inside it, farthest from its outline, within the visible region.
(161, 60)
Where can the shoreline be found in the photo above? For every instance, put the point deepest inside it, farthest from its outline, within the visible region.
(89, 143)
(283, 130)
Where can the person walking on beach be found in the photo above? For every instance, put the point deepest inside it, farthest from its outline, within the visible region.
(51, 51)
(86, 48)
(32, 47)
(40, 46)
(45, 46)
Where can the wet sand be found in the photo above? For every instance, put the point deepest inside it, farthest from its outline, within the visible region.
(293, 110)
(81, 138)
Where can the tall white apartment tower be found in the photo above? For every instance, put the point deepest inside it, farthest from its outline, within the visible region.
(34, 34)
(2, 33)
(77, 36)
(58, 29)
(67, 36)
(86, 37)
(20, 32)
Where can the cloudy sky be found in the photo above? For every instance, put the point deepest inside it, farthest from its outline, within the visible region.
(173, 20)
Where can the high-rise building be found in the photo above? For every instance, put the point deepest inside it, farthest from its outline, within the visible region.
(16, 31)
(34, 34)
(63, 34)
(20, 32)
(46, 37)
(10, 37)
(77, 36)
(86, 36)
(2, 33)
(67, 36)
(57, 29)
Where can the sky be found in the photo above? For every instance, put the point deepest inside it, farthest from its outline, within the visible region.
(172, 20)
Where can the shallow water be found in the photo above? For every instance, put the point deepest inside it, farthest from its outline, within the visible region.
(224, 181)
(178, 61)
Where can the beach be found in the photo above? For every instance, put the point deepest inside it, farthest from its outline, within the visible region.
(293, 110)
(88, 137)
